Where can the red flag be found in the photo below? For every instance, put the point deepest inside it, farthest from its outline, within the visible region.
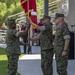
(29, 7)
(33, 15)
(24, 6)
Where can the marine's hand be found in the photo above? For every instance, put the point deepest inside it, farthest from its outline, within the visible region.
(64, 53)
(30, 38)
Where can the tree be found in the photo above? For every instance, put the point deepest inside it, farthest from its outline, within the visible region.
(2, 0)
(3, 9)
(40, 8)
(8, 8)
(9, 2)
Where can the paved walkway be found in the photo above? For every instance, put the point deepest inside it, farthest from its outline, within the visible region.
(29, 64)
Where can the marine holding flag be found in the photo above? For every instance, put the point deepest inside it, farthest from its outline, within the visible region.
(13, 45)
(45, 36)
(46, 44)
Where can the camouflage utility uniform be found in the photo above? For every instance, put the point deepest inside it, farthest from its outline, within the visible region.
(46, 50)
(12, 50)
(62, 33)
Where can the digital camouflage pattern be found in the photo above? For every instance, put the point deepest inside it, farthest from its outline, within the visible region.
(12, 64)
(13, 44)
(46, 50)
(46, 38)
(12, 50)
(61, 61)
(46, 62)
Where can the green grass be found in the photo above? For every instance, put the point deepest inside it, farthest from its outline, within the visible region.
(3, 62)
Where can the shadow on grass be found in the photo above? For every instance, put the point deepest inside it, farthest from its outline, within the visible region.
(3, 67)
(2, 51)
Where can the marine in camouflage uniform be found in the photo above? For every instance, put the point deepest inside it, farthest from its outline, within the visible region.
(46, 50)
(62, 34)
(13, 50)
(13, 47)
(46, 46)
(45, 37)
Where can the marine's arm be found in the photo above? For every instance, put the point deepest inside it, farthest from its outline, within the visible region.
(22, 43)
(35, 37)
(42, 28)
(66, 36)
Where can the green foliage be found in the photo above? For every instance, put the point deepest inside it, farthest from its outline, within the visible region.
(7, 8)
(3, 9)
(9, 2)
(51, 0)
(40, 8)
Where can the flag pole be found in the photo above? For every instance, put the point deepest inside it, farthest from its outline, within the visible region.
(29, 47)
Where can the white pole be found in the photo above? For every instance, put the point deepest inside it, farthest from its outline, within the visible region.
(71, 14)
(31, 34)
